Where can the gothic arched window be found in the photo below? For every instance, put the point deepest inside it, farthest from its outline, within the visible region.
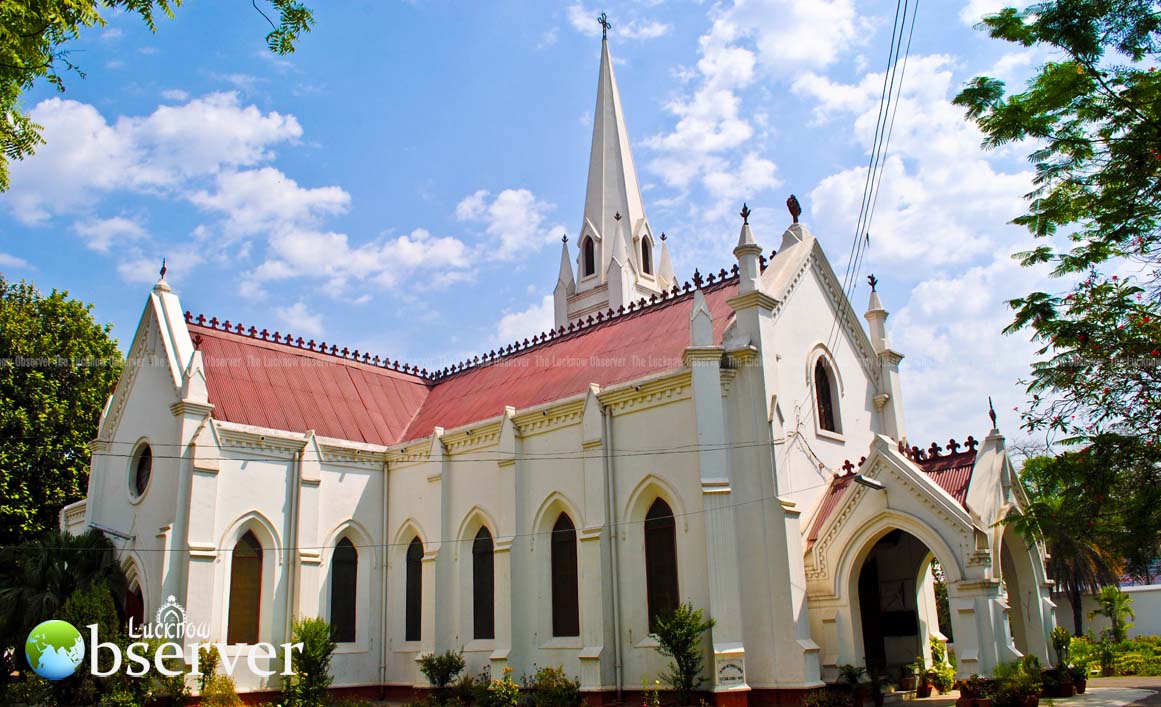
(660, 561)
(483, 587)
(245, 590)
(565, 596)
(413, 621)
(646, 256)
(824, 393)
(344, 580)
(588, 257)
(135, 606)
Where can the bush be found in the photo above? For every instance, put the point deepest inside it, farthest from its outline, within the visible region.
(852, 674)
(826, 698)
(472, 689)
(679, 636)
(441, 668)
(942, 677)
(311, 667)
(1017, 681)
(219, 691)
(503, 692)
(1061, 640)
(552, 687)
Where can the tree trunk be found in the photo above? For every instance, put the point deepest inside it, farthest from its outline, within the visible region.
(1074, 598)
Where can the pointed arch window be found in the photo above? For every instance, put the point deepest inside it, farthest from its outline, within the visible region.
(646, 256)
(135, 606)
(588, 257)
(483, 587)
(344, 592)
(660, 561)
(825, 398)
(245, 590)
(565, 595)
(413, 622)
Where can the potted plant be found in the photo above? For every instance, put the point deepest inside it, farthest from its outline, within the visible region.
(1061, 639)
(1079, 673)
(852, 677)
(907, 678)
(922, 678)
(877, 690)
(1018, 683)
(975, 691)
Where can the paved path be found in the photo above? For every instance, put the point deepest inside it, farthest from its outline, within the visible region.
(1101, 692)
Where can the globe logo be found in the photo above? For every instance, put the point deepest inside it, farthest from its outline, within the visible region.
(54, 649)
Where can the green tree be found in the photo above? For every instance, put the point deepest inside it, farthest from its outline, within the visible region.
(58, 366)
(1093, 114)
(1117, 607)
(1070, 512)
(34, 37)
(679, 636)
(38, 579)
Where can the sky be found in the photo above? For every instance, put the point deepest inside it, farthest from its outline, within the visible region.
(400, 184)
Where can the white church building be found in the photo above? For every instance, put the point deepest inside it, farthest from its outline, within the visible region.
(736, 441)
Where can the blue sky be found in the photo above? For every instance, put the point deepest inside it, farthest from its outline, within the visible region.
(399, 185)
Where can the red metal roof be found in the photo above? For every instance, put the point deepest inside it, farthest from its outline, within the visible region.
(951, 472)
(624, 349)
(259, 382)
(256, 382)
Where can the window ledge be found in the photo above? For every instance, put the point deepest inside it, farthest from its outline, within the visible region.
(479, 645)
(832, 436)
(351, 648)
(410, 647)
(648, 642)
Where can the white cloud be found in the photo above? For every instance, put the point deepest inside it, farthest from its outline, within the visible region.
(975, 10)
(301, 320)
(515, 222)
(548, 39)
(298, 252)
(517, 326)
(584, 20)
(11, 261)
(175, 94)
(101, 234)
(261, 200)
(85, 156)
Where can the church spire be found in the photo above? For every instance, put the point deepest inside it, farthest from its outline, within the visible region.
(612, 184)
(616, 242)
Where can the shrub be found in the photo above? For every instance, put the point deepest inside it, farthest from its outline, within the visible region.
(219, 691)
(826, 698)
(441, 668)
(472, 689)
(503, 692)
(311, 666)
(1016, 682)
(942, 677)
(552, 687)
(679, 636)
(1061, 640)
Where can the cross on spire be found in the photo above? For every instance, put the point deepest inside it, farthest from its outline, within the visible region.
(603, 19)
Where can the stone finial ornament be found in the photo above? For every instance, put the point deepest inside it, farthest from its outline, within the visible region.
(794, 207)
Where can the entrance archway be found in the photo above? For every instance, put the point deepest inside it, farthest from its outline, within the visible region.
(1026, 621)
(896, 602)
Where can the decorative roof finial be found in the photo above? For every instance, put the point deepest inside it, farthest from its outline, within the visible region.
(617, 215)
(605, 25)
(163, 268)
(991, 412)
(873, 280)
(794, 207)
(663, 235)
(564, 238)
(745, 214)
